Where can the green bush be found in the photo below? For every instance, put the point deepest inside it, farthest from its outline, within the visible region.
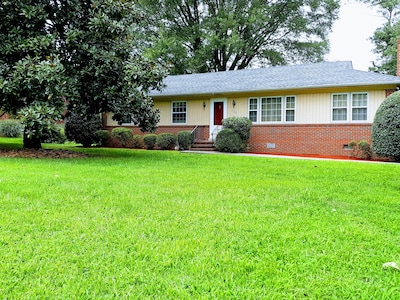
(185, 139)
(149, 140)
(123, 135)
(54, 134)
(362, 149)
(138, 141)
(82, 128)
(11, 128)
(166, 141)
(102, 137)
(228, 140)
(386, 128)
(241, 125)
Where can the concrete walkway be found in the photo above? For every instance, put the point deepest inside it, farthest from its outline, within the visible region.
(288, 157)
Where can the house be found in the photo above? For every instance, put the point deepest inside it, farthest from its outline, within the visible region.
(309, 109)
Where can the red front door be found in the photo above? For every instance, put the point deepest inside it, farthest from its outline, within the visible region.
(218, 113)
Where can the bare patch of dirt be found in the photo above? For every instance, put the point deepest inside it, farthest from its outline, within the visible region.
(41, 153)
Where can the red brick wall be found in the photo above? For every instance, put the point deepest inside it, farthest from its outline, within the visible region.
(322, 140)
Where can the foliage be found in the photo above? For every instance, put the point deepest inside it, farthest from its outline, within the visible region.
(228, 140)
(149, 140)
(203, 36)
(185, 139)
(222, 226)
(385, 37)
(38, 121)
(87, 52)
(166, 141)
(241, 125)
(54, 135)
(362, 149)
(102, 137)
(82, 128)
(137, 141)
(11, 128)
(386, 128)
(123, 135)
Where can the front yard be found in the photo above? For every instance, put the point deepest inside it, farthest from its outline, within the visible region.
(137, 224)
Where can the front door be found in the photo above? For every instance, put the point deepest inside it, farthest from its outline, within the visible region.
(218, 113)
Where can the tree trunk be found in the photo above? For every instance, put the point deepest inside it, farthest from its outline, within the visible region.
(32, 143)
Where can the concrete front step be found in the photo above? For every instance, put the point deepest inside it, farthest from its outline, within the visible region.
(203, 146)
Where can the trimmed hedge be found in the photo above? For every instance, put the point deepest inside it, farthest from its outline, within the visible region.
(149, 140)
(386, 128)
(228, 140)
(11, 128)
(241, 125)
(166, 141)
(123, 135)
(82, 129)
(185, 139)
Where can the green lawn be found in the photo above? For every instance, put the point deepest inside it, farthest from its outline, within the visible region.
(137, 224)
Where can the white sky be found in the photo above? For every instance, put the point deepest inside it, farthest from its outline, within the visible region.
(349, 38)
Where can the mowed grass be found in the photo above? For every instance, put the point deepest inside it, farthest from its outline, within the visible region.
(132, 224)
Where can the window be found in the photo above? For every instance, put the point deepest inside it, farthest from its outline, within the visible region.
(290, 108)
(179, 112)
(272, 109)
(126, 120)
(339, 107)
(359, 104)
(354, 110)
(253, 109)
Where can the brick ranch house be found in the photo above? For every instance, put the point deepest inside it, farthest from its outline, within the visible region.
(309, 109)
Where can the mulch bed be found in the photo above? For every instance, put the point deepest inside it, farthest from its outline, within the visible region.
(40, 153)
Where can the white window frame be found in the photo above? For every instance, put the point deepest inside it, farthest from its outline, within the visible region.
(175, 113)
(349, 107)
(284, 109)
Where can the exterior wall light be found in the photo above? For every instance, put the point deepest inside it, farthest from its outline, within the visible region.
(233, 103)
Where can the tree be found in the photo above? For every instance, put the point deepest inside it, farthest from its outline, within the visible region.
(219, 35)
(386, 128)
(385, 37)
(31, 73)
(92, 50)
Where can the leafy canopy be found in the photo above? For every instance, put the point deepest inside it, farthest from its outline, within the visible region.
(87, 53)
(218, 35)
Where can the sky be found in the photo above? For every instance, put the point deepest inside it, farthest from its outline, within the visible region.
(349, 38)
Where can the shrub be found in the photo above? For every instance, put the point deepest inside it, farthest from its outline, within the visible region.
(102, 137)
(149, 140)
(137, 141)
(123, 135)
(386, 128)
(241, 125)
(166, 141)
(185, 139)
(228, 140)
(362, 149)
(54, 134)
(11, 128)
(82, 128)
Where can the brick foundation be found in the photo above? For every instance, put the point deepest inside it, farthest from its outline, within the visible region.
(316, 140)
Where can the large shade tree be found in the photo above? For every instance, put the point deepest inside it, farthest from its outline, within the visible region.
(87, 53)
(385, 37)
(218, 35)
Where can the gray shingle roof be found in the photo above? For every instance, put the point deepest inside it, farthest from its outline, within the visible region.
(317, 75)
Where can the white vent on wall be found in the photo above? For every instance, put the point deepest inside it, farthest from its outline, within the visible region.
(271, 146)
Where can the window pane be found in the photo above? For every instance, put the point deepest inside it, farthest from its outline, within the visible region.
(359, 114)
(360, 100)
(178, 112)
(253, 104)
(253, 116)
(271, 109)
(340, 100)
(290, 102)
(290, 116)
(339, 114)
